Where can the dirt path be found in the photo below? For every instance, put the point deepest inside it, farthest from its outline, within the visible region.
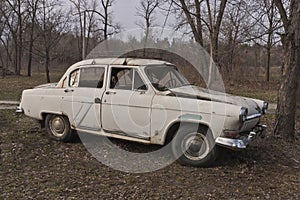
(8, 105)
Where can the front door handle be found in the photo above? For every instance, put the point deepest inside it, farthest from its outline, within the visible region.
(68, 90)
(108, 93)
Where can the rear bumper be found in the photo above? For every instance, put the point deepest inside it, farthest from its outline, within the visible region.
(19, 110)
(242, 143)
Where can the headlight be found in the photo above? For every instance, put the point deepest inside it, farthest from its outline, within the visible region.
(243, 114)
(265, 107)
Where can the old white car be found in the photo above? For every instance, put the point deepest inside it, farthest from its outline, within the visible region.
(145, 101)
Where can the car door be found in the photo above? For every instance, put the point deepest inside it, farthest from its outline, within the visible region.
(83, 97)
(126, 106)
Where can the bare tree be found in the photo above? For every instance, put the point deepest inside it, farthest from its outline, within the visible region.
(190, 14)
(94, 19)
(13, 12)
(109, 28)
(286, 106)
(86, 21)
(266, 23)
(234, 26)
(195, 13)
(146, 11)
(52, 24)
(32, 11)
(270, 10)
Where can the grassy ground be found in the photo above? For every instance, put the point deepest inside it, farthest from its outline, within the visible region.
(11, 87)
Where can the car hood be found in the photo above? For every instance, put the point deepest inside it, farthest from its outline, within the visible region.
(254, 106)
(48, 85)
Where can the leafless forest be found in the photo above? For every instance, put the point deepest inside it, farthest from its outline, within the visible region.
(41, 35)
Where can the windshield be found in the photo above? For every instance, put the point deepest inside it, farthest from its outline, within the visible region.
(164, 77)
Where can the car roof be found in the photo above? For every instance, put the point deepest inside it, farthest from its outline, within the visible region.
(120, 61)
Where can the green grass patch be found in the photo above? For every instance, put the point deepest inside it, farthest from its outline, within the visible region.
(269, 96)
(11, 87)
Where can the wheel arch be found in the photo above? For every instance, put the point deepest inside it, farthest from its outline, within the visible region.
(173, 128)
(43, 115)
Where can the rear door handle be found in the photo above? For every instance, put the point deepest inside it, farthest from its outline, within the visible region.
(97, 100)
(68, 90)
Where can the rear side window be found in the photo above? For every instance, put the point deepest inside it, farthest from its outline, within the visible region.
(91, 77)
(74, 78)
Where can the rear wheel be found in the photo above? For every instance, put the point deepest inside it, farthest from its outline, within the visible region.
(194, 146)
(58, 127)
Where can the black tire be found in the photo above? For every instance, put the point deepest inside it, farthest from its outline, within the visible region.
(58, 127)
(194, 145)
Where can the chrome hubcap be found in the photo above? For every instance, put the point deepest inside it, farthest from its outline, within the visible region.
(57, 126)
(195, 146)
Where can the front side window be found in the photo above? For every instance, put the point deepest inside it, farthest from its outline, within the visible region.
(126, 79)
(121, 78)
(138, 82)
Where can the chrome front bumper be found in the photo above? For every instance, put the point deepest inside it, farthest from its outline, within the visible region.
(238, 144)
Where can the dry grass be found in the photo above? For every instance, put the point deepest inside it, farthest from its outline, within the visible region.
(11, 87)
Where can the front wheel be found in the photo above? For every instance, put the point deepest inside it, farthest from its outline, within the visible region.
(194, 146)
(58, 127)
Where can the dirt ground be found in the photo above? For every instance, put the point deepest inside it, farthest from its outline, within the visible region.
(34, 167)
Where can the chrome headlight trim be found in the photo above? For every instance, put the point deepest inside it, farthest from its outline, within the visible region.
(265, 107)
(243, 114)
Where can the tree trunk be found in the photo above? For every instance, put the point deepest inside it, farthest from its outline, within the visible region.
(268, 62)
(34, 8)
(285, 114)
(199, 22)
(30, 49)
(286, 107)
(30, 58)
(20, 35)
(269, 42)
(298, 101)
(47, 64)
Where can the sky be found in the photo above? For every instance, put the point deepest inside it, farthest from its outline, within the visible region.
(124, 12)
